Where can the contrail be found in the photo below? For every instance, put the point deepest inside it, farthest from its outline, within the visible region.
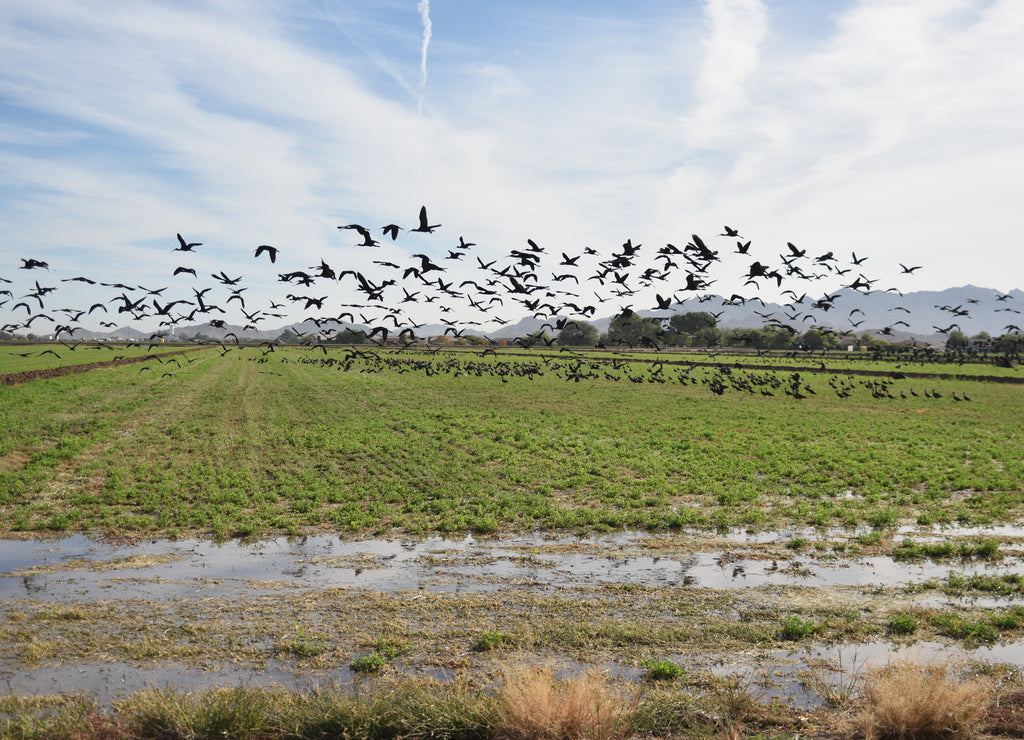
(423, 6)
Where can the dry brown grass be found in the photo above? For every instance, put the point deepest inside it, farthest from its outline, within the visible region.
(535, 705)
(910, 701)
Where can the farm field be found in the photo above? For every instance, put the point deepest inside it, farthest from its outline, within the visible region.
(20, 357)
(250, 443)
(302, 516)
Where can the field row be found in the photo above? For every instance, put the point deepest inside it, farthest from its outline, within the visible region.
(244, 443)
(19, 357)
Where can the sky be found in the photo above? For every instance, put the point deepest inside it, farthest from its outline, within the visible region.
(882, 128)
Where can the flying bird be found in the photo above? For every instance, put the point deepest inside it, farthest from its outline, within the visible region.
(184, 246)
(272, 251)
(425, 226)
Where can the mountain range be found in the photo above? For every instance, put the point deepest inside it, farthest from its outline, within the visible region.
(922, 315)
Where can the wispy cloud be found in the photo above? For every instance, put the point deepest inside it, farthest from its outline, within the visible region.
(423, 6)
(736, 31)
(896, 125)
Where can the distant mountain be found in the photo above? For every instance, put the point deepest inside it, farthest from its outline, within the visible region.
(919, 315)
(970, 308)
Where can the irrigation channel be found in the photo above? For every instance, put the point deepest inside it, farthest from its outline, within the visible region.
(57, 592)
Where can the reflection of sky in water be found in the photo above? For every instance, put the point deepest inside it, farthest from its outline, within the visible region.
(204, 569)
(436, 564)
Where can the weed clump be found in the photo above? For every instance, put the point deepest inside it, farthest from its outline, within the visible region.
(225, 712)
(903, 624)
(534, 705)
(662, 670)
(794, 628)
(909, 701)
(489, 640)
(372, 663)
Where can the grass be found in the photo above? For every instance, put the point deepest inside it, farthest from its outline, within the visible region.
(904, 701)
(903, 624)
(226, 449)
(660, 669)
(909, 701)
(303, 645)
(535, 705)
(964, 549)
(489, 640)
(47, 355)
(372, 663)
(795, 628)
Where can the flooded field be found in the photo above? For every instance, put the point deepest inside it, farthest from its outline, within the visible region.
(109, 619)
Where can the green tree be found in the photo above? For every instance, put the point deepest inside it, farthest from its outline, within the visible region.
(691, 322)
(577, 334)
(956, 340)
(684, 327)
(814, 339)
(634, 330)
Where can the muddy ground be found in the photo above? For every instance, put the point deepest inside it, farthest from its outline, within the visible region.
(785, 614)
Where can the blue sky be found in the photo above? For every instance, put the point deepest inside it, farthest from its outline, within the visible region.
(889, 129)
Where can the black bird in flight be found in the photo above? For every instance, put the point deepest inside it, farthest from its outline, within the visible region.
(184, 246)
(272, 251)
(368, 240)
(391, 230)
(225, 279)
(425, 226)
(31, 264)
(909, 270)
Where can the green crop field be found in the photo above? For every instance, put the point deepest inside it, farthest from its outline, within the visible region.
(20, 357)
(253, 442)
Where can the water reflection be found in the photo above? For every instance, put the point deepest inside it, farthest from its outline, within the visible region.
(76, 567)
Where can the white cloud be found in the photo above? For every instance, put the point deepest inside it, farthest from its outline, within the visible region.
(152, 118)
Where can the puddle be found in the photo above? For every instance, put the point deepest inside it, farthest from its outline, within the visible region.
(108, 682)
(78, 569)
(789, 675)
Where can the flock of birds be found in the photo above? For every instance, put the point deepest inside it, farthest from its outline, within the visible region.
(573, 367)
(381, 300)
